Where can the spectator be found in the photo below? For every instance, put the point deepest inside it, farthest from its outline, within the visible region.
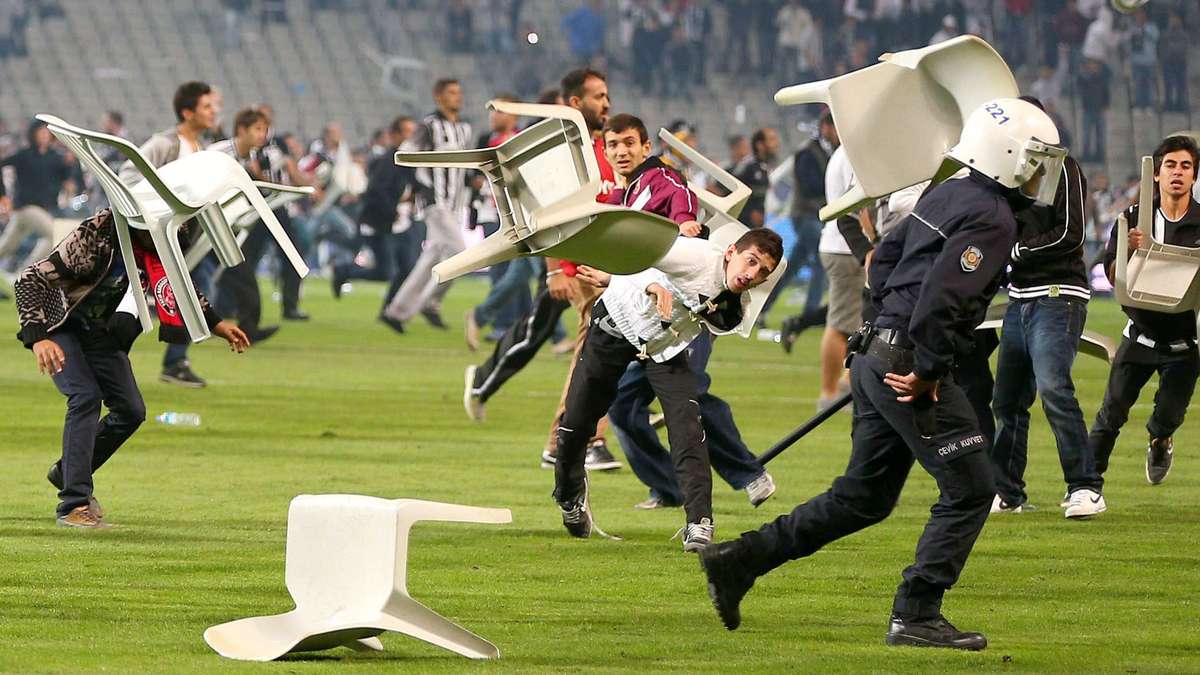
(1094, 99)
(1015, 36)
(1101, 41)
(648, 44)
(1175, 44)
(1143, 60)
(1048, 86)
(458, 19)
(737, 36)
(1071, 27)
(755, 171)
(585, 30)
(41, 172)
(234, 10)
(948, 30)
(764, 14)
(696, 20)
(795, 35)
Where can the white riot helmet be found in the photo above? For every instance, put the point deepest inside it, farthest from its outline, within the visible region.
(1012, 142)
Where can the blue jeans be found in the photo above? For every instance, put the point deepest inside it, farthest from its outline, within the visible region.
(1037, 347)
(804, 253)
(509, 297)
(202, 279)
(650, 461)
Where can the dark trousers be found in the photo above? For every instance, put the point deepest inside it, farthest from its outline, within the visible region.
(650, 461)
(1037, 349)
(885, 441)
(804, 253)
(519, 344)
(973, 373)
(239, 284)
(591, 391)
(91, 375)
(1131, 369)
(406, 248)
(508, 299)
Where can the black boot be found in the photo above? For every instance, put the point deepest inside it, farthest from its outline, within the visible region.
(729, 579)
(935, 632)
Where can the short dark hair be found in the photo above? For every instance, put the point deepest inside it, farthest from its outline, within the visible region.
(116, 117)
(765, 240)
(440, 85)
(549, 96)
(247, 118)
(1174, 144)
(572, 83)
(734, 139)
(398, 124)
(826, 118)
(760, 136)
(187, 97)
(622, 122)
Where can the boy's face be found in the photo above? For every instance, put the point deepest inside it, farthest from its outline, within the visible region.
(255, 134)
(625, 150)
(746, 269)
(1176, 174)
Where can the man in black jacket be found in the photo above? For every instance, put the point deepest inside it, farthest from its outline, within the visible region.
(1048, 293)
(931, 280)
(1155, 341)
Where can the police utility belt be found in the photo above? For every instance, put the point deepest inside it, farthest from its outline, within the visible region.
(886, 344)
(1160, 346)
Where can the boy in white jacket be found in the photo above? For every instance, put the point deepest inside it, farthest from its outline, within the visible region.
(653, 316)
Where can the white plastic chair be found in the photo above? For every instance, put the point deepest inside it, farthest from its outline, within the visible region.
(545, 181)
(1159, 277)
(242, 217)
(346, 570)
(898, 118)
(166, 198)
(724, 228)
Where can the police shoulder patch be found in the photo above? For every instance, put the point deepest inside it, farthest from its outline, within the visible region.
(970, 259)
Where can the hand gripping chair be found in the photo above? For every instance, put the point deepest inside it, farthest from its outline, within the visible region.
(162, 202)
(545, 181)
(242, 217)
(1158, 277)
(898, 118)
(724, 229)
(346, 570)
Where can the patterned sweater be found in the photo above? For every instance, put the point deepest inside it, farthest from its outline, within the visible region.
(49, 290)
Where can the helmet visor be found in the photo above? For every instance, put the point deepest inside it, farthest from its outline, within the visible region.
(1043, 167)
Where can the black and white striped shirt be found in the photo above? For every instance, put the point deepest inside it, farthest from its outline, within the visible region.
(447, 188)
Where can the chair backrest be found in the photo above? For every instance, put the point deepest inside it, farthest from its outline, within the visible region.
(341, 553)
(80, 144)
(898, 118)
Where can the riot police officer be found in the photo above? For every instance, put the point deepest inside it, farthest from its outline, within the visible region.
(931, 280)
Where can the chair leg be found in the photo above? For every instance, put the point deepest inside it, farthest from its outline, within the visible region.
(131, 270)
(220, 235)
(409, 617)
(268, 218)
(187, 303)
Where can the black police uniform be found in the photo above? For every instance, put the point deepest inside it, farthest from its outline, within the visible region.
(1153, 342)
(931, 279)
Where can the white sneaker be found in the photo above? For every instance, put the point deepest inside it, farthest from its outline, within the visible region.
(548, 459)
(760, 489)
(697, 536)
(1085, 503)
(1001, 506)
(471, 401)
(1066, 500)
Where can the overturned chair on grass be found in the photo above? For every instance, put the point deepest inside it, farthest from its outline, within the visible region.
(1157, 276)
(545, 181)
(897, 118)
(346, 569)
(189, 188)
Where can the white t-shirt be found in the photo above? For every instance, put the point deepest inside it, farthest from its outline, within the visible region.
(186, 148)
(839, 176)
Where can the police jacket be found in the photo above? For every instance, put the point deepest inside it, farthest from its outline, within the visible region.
(1047, 260)
(1159, 326)
(933, 276)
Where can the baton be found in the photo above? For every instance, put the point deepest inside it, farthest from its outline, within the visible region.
(803, 429)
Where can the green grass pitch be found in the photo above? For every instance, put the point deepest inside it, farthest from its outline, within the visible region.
(344, 405)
